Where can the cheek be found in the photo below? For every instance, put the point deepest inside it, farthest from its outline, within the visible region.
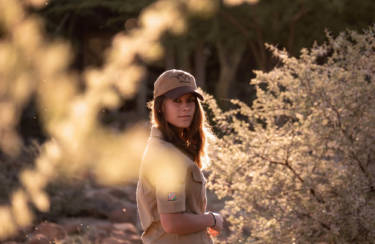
(169, 112)
(193, 107)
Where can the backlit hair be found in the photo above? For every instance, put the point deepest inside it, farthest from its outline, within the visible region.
(190, 140)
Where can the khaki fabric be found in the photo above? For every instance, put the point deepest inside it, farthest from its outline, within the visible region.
(169, 182)
(175, 83)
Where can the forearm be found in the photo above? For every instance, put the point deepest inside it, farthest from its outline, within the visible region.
(185, 223)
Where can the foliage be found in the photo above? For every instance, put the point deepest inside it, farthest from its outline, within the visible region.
(32, 65)
(11, 167)
(110, 15)
(310, 178)
(298, 164)
(67, 197)
(78, 144)
(216, 47)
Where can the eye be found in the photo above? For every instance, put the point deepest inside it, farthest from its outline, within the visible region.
(191, 100)
(177, 100)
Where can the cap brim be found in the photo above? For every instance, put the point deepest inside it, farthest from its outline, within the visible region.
(182, 90)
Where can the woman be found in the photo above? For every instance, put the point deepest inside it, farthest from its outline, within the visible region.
(171, 194)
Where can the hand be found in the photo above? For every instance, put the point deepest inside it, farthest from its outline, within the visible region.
(212, 232)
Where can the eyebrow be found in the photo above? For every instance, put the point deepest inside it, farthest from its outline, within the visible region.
(190, 96)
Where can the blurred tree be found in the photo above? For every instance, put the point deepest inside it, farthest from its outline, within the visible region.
(224, 36)
(82, 21)
(233, 31)
(77, 145)
(288, 24)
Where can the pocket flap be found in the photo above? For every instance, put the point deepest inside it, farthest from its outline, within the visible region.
(197, 175)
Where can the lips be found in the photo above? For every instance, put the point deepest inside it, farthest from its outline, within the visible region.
(185, 116)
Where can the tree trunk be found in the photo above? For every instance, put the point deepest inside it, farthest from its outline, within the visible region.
(142, 97)
(229, 58)
(183, 59)
(200, 65)
(169, 59)
(256, 44)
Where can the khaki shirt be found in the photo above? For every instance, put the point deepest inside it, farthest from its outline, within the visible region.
(169, 182)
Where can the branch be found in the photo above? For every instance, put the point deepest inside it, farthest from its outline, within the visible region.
(62, 23)
(258, 51)
(363, 170)
(325, 226)
(352, 153)
(292, 26)
(288, 166)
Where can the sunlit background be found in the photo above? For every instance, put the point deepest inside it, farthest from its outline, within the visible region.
(75, 77)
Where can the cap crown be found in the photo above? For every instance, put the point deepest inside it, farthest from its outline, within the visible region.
(172, 79)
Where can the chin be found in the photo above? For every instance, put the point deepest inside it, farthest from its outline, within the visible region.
(183, 126)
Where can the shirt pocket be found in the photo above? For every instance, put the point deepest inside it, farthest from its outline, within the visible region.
(198, 190)
(197, 175)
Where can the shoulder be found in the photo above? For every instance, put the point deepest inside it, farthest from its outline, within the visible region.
(163, 159)
(157, 145)
(160, 150)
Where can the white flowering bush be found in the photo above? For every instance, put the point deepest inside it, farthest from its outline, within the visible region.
(298, 164)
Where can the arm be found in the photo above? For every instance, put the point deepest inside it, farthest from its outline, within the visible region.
(185, 223)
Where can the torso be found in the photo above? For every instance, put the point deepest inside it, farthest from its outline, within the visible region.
(195, 196)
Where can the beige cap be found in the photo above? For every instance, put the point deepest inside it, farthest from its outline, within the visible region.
(175, 83)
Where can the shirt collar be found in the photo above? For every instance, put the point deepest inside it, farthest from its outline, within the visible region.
(155, 132)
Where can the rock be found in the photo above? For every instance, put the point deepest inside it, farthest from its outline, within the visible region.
(119, 215)
(39, 239)
(135, 239)
(126, 227)
(95, 230)
(102, 203)
(48, 231)
(128, 213)
(126, 231)
(95, 234)
(114, 240)
(80, 225)
(130, 191)
(120, 193)
(118, 234)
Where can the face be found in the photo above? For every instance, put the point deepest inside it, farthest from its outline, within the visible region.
(180, 111)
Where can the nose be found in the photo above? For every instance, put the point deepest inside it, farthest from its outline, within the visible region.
(186, 106)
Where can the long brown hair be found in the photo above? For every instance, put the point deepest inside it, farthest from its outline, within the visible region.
(191, 140)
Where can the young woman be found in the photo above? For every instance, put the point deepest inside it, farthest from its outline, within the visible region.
(171, 194)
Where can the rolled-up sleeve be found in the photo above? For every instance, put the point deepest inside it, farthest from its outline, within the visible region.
(167, 170)
(171, 197)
